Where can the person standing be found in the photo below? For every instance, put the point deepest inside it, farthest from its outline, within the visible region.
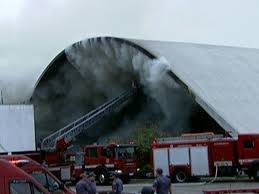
(87, 184)
(117, 185)
(162, 184)
(92, 183)
(82, 185)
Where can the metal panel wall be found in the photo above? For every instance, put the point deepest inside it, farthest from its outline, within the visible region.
(160, 157)
(17, 128)
(222, 79)
(179, 156)
(199, 161)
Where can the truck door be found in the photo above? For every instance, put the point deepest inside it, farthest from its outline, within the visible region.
(199, 161)
(179, 156)
(48, 181)
(2, 185)
(160, 159)
(248, 147)
(91, 157)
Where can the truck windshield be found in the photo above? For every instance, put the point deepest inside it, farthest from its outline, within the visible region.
(22, 187)
(125, 152)
(46, 180)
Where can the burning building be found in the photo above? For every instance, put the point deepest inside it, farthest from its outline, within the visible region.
(185, 87)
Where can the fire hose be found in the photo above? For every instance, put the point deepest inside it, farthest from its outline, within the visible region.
(215, 177)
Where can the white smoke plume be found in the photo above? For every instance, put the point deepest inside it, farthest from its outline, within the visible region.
(111, 66)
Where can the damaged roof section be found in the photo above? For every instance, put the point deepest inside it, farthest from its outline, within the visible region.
(223, 80)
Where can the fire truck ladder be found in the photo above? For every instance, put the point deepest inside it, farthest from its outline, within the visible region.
(70, 131)
(189, 138)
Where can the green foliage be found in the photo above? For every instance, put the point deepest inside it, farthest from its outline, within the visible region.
(143, 138)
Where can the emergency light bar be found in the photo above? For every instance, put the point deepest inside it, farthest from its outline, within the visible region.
(20, 161)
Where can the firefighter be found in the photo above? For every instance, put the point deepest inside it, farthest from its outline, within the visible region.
(117, 185)
(91, 177)
(87, 184)
(162, 184)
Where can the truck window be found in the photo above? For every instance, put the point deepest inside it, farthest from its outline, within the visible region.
(36, 190)
(248, 144)
(108, 152)
(126, 152)
(53, 184)
(40, 177)
(19, 187)
(79, 159)
(46, 180)
(92, 152)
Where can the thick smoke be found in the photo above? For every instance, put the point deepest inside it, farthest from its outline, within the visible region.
(110, 66)
(94, 71)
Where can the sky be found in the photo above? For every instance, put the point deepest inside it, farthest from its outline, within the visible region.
(231, 22)
(33, 32)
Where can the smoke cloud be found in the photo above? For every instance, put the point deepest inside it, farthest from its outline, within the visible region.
(110, 66)
(93, 71)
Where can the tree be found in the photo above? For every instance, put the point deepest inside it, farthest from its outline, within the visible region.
(143, 138)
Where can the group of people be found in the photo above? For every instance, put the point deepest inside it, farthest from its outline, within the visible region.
(87, 184)
(161, 185)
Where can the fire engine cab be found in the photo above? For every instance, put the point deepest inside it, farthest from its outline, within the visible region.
(105, 159)
(206, 154)
(38, 172)
(13, 180)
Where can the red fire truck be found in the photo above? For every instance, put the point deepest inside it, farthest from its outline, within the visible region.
(39, 172)
(14, 180)
(106, 159)
(54, 149)
(206, 154)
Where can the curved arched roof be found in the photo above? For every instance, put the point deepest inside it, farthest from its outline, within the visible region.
(222, 79)
(61, 56)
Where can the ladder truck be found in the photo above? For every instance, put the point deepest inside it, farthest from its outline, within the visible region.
(54, 147)
(206, 154)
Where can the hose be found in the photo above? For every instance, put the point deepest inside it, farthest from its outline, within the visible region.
(215, 177)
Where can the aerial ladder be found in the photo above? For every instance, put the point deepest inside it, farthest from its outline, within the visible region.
(61, 138)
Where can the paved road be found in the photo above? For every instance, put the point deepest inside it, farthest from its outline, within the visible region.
(188, 188)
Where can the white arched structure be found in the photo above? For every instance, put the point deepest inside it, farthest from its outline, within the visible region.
(223, 80)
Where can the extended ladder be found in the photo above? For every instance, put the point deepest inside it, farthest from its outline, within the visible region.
(67, 133)
(193, 137)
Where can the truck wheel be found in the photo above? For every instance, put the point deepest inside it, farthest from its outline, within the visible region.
(180, 176)
(101, 178)
(256, 173)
